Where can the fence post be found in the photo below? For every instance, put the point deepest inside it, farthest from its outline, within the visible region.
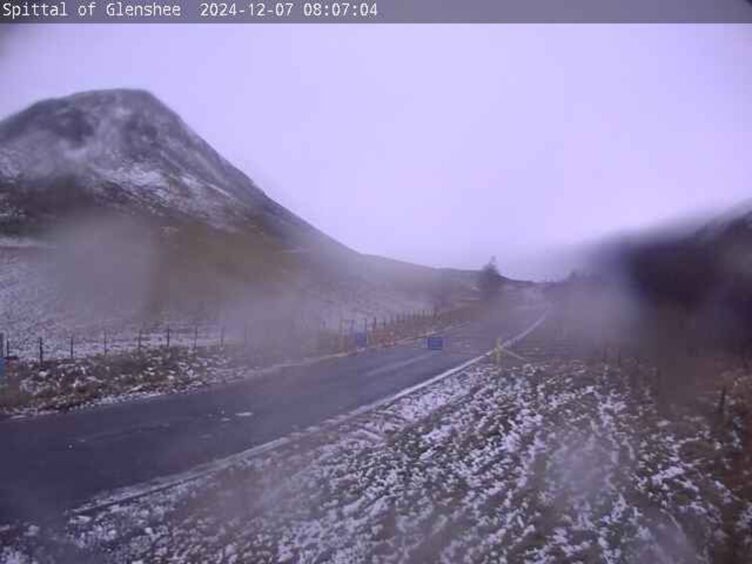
(222, 337)
(71, 346)
(139, 340)
(41, 352)
(721, 403)
(195, 337)
(105, 342)
(168, 336)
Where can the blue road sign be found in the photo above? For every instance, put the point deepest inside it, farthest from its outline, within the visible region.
(435, 343)
(361, 339)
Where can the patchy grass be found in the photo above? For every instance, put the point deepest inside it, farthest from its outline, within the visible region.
(557, 460)
(62, 385)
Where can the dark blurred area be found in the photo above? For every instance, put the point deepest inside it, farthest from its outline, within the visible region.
(703, 276)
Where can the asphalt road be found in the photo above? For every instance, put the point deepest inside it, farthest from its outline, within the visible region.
(56, 462)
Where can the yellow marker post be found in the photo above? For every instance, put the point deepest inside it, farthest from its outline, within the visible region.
(497, 351)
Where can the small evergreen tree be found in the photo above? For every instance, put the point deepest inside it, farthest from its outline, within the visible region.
(489, 280)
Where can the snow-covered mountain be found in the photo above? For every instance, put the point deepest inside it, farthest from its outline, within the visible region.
(126, 151)
(113, 212)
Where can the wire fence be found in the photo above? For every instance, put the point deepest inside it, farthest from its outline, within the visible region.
(279, 337)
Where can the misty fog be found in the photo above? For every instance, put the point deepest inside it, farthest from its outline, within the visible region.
(379, 136)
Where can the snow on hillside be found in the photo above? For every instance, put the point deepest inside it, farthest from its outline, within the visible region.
(554, 461)
(123, 144)
(124, 151)
(35, 305)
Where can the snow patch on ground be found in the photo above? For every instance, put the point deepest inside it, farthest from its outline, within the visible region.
(554, 461)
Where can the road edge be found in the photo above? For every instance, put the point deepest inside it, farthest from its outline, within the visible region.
(130, 493)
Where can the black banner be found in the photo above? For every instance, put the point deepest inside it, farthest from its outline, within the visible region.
(376, 11)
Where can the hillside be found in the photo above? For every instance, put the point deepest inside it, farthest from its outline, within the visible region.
(703, 273)
(114, 213)
(126, 151)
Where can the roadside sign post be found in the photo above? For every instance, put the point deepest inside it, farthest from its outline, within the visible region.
(435, 343)
(361, 339)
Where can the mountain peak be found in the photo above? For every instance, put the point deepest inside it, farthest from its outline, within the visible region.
(120, 147)
(75, 118)
(126, 150)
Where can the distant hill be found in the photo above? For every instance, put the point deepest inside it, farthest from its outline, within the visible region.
(705, 272)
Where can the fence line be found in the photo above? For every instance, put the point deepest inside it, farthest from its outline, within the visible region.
(351, 332)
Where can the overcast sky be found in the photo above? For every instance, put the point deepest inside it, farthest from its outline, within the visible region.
(439, 144)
